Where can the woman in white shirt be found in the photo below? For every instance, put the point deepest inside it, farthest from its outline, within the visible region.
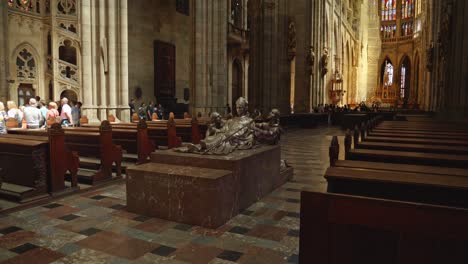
(14, 112)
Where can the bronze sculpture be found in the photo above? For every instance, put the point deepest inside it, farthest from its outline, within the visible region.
(238, 133)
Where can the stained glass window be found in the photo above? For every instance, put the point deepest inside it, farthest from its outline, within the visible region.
(403, 81)
(407, 8)
(388, 31)
(407, 29)
(389, 72)
(388, 10)
(26, 5)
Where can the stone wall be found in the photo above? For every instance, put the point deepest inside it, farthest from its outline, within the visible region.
(157, 20)
(449, 93)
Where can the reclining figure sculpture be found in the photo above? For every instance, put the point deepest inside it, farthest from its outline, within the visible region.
(238, 133)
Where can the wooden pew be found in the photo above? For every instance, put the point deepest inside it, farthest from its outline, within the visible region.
(135, 141)
(424, 148)
(174, 131)
(36, 165)
(446, 142)
(427, 135)
(438, 185)
(398, 131)
(348, 229)
(90, 144)
(423, 187)
(417, 158)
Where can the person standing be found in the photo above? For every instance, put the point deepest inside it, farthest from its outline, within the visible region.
(42, 107)
(132, 107)
(53, 113)
(14, 112)
(75, 113)
(66, 113)
(3, 118)
(32, 115)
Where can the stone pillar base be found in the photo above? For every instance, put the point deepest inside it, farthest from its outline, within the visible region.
(124, 114)
(91, 113)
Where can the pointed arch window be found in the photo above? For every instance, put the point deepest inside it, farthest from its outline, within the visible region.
(25, 66)
(33, 6)
(387, 73)
(66, 7)
(236, 13)
(388, 8)
(403, 77)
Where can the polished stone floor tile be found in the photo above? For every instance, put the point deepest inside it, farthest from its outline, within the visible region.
(94, 227)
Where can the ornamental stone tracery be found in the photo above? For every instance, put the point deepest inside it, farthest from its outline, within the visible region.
(25, 66)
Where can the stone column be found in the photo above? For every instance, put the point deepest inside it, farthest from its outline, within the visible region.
(269, 72)
(103, 59)
(112, 44)
(4, 68)
(88, 108)
(124, 109)
(210, 56)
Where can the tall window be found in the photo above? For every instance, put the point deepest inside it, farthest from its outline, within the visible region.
(388, 10)
(403, 81)
(407, 8)
(25, 66)
(236, 13)
(388, 31)
(418, 7)
(387, 73)
(407, 28)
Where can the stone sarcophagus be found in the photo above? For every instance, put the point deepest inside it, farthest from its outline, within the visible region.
(204, 190)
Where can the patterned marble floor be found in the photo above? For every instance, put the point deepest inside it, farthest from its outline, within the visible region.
(95, 227)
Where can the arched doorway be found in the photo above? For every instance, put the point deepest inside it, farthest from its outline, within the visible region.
(405, 77)
(25, 92)
(386, 80)
(236, 82)
(70, 95)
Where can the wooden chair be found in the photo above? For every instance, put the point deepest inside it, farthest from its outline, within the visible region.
(11, 123)
(84, 120)
(154, 117)
(135, 118)
(111, 118)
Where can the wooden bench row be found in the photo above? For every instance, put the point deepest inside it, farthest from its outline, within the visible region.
(170, 133)
(33, 167)
(421, 183)
(337, 228)
(46, 156)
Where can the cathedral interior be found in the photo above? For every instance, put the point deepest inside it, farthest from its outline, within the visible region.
(371, 97)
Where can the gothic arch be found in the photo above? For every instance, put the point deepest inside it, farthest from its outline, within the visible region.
(236, 80)
(66, 88)
(404, 79)
(72, 44)
(25, 45)
(383, 64)
(27, 85)
(416, 78)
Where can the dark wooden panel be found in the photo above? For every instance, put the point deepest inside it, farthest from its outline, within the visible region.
(164, 69)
